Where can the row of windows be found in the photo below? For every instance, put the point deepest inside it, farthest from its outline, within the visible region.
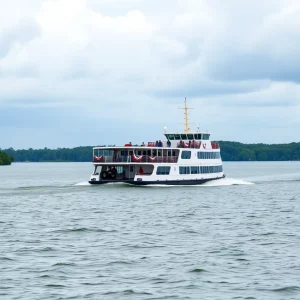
(209, 155)
(163, 170)
(188, 136)
(200, 170)
(201, 155)
(105, 152)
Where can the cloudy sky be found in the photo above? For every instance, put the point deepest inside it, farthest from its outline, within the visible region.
(89, 72)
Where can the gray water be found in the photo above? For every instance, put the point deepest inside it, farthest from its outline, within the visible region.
(236, 238)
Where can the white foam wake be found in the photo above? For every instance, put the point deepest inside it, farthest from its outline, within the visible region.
(227, 182)
(84, 183)
(212, 183)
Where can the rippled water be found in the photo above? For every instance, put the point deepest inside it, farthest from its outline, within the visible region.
(236, 238)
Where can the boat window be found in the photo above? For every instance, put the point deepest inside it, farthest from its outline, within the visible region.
(163, 170)
(186, 154)
(198, 136)
(119, 169)
(211, 169)
(205, 137)
(107, 152)
(139, 152)
(183, 137)
(171, 137)
(208, 155)
(194, 170)
(144, 152)
(190, 136)
(177, 136)
(184, 170)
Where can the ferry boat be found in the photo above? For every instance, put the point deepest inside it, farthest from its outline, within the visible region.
(183, 158)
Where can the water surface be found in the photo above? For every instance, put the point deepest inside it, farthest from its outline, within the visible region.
(236, 238)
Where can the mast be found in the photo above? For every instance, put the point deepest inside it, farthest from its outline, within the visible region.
(186, 116)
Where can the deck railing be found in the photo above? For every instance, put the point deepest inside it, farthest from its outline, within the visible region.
(136, 159)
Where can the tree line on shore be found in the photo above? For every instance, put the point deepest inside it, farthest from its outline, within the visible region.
(5, 159)
(234, 151)
(230, 151)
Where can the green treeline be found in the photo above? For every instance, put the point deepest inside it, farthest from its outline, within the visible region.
(230, 151)
(59, 155)
(5, 159)
(234, 151)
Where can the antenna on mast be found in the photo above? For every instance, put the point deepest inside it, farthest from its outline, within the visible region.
(186, 116)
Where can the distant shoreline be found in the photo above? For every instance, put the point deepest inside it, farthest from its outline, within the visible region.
(230, 151)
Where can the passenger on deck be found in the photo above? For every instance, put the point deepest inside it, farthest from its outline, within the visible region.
(190, 143)
(160, 144)
(156, 144)
(141, 171)
(143, 144)
(181, 144)
(130, 144)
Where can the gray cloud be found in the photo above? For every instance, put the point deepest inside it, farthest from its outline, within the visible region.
(81, 62)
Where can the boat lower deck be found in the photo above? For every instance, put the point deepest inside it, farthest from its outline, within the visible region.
(157, 182)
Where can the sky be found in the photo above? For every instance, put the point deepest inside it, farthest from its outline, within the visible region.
(95, 72)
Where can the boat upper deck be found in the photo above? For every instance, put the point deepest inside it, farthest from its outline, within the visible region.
(165, 144)
(149, 154)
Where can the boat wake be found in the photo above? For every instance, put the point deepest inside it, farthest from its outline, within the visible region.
(275, 178)
(84, 183)
(212, 183)
(227, 182)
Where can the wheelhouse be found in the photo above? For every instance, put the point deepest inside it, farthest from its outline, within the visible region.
(187, 136)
